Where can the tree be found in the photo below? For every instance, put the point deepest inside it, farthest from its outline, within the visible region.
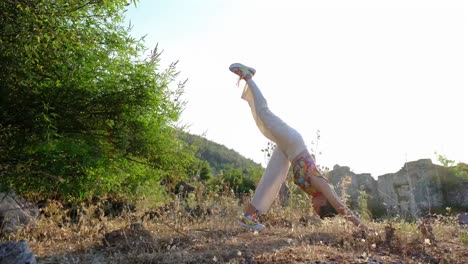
(205, 171)
(80, 112)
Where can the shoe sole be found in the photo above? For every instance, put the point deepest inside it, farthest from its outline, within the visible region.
(239, 65)
(249, 227)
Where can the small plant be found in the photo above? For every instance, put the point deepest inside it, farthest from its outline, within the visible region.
(363, 205)
(464, 239)
(344, 185)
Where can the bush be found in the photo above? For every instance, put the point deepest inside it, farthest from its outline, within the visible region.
(80, 113)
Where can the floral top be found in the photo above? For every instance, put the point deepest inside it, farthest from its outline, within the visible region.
(303, 169)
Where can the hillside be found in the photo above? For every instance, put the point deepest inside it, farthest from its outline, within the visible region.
(218, 156)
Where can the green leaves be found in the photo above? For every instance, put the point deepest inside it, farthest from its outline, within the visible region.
(79, 104)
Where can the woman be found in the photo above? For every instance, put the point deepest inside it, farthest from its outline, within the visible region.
(290, 150)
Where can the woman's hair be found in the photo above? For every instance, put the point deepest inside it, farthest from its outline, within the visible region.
(327, 211)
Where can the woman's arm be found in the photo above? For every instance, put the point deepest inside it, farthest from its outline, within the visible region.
(324, 187)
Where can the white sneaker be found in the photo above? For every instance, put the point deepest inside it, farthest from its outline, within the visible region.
(251, 223)
(242, 71)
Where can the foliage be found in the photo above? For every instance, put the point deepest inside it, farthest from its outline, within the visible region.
(459, 170)
(235, 179)
(453, 182)
(219, 157)
(205, 171)
(363, 207)
(464, 238)
(80, 113)
(221, 167)
(298, 198)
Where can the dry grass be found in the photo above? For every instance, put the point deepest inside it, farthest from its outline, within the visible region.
(208, 233)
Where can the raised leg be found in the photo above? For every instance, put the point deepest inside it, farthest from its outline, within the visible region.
(272, 127)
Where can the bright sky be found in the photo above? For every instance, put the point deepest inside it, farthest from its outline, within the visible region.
(383, 81)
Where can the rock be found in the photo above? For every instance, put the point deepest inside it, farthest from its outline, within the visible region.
(418, 188)
(421, 187)
(16, 253)
(15, 212)
(359, 182)
(463, 219)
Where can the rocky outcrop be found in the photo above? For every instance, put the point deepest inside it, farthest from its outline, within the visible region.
(15, 212)
(417, 188)
(359, 182)
(16, 253)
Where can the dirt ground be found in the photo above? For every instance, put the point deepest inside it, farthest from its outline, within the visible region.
(218, 239)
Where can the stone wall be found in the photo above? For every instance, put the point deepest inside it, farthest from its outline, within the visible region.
(417, 188)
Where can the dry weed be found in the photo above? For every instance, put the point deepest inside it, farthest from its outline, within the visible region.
(205, 230)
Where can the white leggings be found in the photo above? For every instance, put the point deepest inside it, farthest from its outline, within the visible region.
(289, 144)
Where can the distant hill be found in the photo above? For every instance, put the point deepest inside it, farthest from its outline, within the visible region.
(218, 156)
